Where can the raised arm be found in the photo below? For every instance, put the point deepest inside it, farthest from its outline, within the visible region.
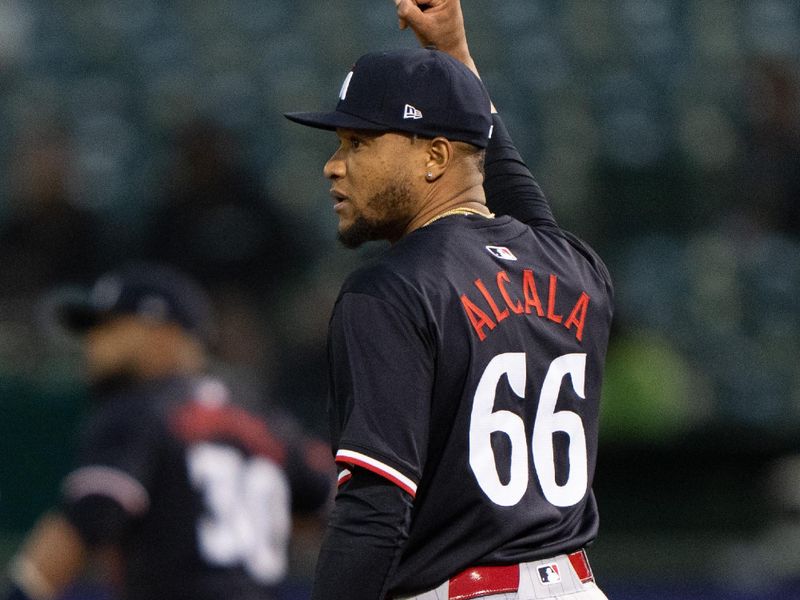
(510, 187)
(437, 23)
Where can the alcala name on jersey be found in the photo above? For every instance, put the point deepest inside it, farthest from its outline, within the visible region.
(501, 299)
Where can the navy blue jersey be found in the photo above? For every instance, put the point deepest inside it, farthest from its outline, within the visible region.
(195, 491)
(466, 367)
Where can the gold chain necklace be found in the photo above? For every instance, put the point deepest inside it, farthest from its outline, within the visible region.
(458, 211)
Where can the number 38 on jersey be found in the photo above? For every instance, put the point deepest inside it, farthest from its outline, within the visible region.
(485, 421)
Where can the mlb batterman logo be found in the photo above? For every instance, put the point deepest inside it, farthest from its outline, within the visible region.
(501, 252)
(548, 574)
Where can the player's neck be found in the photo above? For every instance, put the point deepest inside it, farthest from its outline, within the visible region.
(470, 200)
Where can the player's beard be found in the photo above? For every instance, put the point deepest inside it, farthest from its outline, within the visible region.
(393, 207)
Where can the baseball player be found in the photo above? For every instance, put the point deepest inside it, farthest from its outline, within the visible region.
(194, 492)
(466, 361)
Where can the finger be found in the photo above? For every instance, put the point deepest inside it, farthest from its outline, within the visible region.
(408, 12)
(426, 4)
(401, 22)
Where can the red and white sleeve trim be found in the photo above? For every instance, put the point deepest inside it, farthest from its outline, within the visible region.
(362, 460)
(344, 476)
(112, 483)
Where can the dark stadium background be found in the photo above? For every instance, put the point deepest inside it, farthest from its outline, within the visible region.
(666, 133)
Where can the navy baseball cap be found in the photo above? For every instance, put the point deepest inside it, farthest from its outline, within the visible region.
(155, 292)
(422, 91)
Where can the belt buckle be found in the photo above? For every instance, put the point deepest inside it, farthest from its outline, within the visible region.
(580, 563)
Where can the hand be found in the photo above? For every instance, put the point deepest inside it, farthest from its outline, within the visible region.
(439, 23)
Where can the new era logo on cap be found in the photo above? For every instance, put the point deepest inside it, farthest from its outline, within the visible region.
(411, 113)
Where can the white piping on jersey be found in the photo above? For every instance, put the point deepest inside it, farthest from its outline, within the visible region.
(381, 468)
(108, 481)
(344, 476)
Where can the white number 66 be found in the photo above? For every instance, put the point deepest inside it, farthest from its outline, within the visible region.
(485, 421)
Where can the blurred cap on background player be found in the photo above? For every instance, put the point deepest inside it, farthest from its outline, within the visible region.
(152, 292)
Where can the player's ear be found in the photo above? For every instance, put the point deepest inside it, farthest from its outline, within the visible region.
(439, 157)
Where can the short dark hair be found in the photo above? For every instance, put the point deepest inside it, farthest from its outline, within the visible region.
(473, 153)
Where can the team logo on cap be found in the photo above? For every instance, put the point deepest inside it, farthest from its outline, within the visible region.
(411, 113)
(345, 86)
(106, 292)
(548, 574)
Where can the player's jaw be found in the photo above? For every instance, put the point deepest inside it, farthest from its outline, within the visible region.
(384, 215)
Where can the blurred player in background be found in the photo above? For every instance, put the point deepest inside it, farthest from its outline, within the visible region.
(466, 362)
(194, 493)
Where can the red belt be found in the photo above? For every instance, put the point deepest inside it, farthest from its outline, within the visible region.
(484, 581)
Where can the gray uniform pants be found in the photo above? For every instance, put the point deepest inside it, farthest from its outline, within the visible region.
(552, 578)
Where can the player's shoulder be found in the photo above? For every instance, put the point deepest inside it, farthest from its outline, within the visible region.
(395, 268)
(417, 264)
(210, 412)
(142, 403)
(119, 416)
(591, 257)
(582, 252)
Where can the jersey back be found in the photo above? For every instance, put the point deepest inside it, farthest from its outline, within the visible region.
(203, 487)
(490, 341)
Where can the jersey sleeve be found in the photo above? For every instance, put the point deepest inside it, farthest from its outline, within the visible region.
(116, 461)
(381, 380)
(367, 530)
(510, 187)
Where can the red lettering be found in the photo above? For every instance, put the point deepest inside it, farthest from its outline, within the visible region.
(502, 279)
(551, 301)
(483, 321)
(530, 293)
(477, 317)
(578, 316)
(498, 314)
